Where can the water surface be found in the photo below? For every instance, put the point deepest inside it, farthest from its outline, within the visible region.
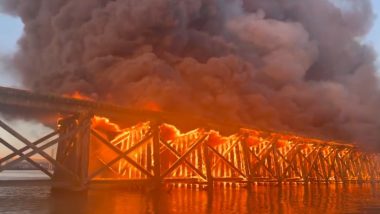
(33, 198)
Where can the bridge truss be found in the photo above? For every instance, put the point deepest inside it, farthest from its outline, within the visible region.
(156, 153)
(151, 153)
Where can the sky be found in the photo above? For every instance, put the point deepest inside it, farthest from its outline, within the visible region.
(11, 29)
(374, 36)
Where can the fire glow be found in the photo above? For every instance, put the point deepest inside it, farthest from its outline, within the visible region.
(202, 155)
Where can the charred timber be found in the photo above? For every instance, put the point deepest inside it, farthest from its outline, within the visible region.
(23, 99)
(55, 103)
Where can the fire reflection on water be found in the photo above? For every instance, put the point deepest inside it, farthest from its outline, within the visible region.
(262, 199)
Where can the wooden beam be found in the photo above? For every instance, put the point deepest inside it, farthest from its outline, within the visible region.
(121, 154)
(226, 152)
(178, 156)
(108, 166)
(206, 157)
(262, 159)
(84, 148)
(179, 161)
(9, 146)
(33, 152)
(38, 150)
(47, 145)
(156, 154)
(119, 157)
(247, 162)
(26, 148)
(312, 163)
(232, 166)
(290, 162)
(276, 162)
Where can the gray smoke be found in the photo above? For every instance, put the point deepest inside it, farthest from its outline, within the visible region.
(288, 65)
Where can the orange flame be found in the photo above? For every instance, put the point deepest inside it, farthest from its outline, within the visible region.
(169, 132)
(152, 106)
(104, 124)
(125, 139)
(304, 146)
(253, 141)
(215, 139)
(77, 95)
(282, 143)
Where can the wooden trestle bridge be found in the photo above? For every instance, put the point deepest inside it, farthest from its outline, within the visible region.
(155, 153)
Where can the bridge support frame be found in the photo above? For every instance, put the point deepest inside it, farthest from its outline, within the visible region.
(236, 161)
(73, 152)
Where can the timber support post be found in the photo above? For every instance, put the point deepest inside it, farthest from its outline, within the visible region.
(84, 148)
(73, 153)
(247, 162)
(157, 181)
(206, 157)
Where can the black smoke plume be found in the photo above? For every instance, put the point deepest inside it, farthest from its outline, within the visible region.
(289, 65)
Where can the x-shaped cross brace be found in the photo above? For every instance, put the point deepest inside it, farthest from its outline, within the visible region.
(121, 155)
(36, 149)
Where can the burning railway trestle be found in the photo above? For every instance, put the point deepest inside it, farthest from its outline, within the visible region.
(155, 153)
(204, 157)
(152, 153)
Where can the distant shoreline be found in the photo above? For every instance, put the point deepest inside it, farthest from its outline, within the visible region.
(22, 170)
(6, 183)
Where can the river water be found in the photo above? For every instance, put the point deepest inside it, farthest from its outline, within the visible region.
(37, 198)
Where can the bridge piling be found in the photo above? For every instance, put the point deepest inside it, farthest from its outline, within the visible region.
(73, 152)
(157, 181)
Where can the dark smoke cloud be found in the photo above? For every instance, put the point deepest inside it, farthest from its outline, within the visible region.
(286, 65)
